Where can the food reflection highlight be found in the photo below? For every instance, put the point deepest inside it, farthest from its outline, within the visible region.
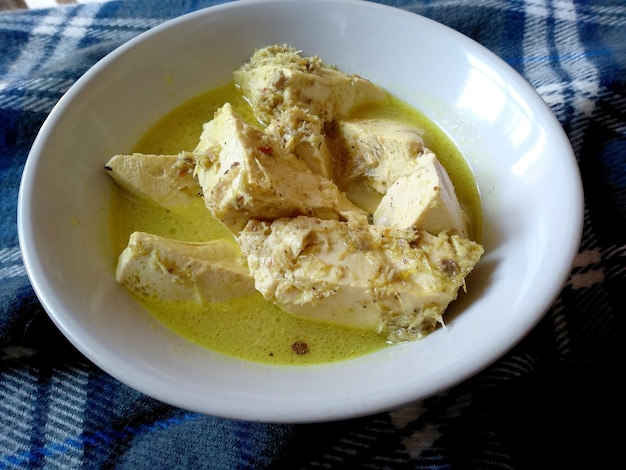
(317, 209)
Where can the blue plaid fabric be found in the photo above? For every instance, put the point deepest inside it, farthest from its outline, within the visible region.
(555, 400)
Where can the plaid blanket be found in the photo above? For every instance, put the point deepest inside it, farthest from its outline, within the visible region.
(552, 401)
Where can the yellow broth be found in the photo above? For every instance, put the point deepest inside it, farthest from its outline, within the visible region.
(249, 327)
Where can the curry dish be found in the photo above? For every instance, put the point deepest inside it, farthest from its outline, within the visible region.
(321, 208)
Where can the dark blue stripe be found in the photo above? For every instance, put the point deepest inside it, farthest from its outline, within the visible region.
(34, 456)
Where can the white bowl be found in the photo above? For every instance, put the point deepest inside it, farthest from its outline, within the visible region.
(522, 160)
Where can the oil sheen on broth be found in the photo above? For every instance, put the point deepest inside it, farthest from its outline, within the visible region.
(249, 327)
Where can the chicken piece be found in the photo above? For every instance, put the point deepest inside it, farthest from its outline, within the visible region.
(246, 175)
(153, 266)
(166, 179)
(277, 77)
(375, 152)
(424, 199)
(349, 273)
(301, 133)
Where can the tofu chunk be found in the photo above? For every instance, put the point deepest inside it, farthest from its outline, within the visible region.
(278, 77)
(165, 179)
(153, 266)
(301, 133)
(376, 152)
(350, 273)
(424, 199)
(246, 175)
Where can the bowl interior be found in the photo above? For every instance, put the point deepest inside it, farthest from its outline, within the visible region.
(522, 161)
